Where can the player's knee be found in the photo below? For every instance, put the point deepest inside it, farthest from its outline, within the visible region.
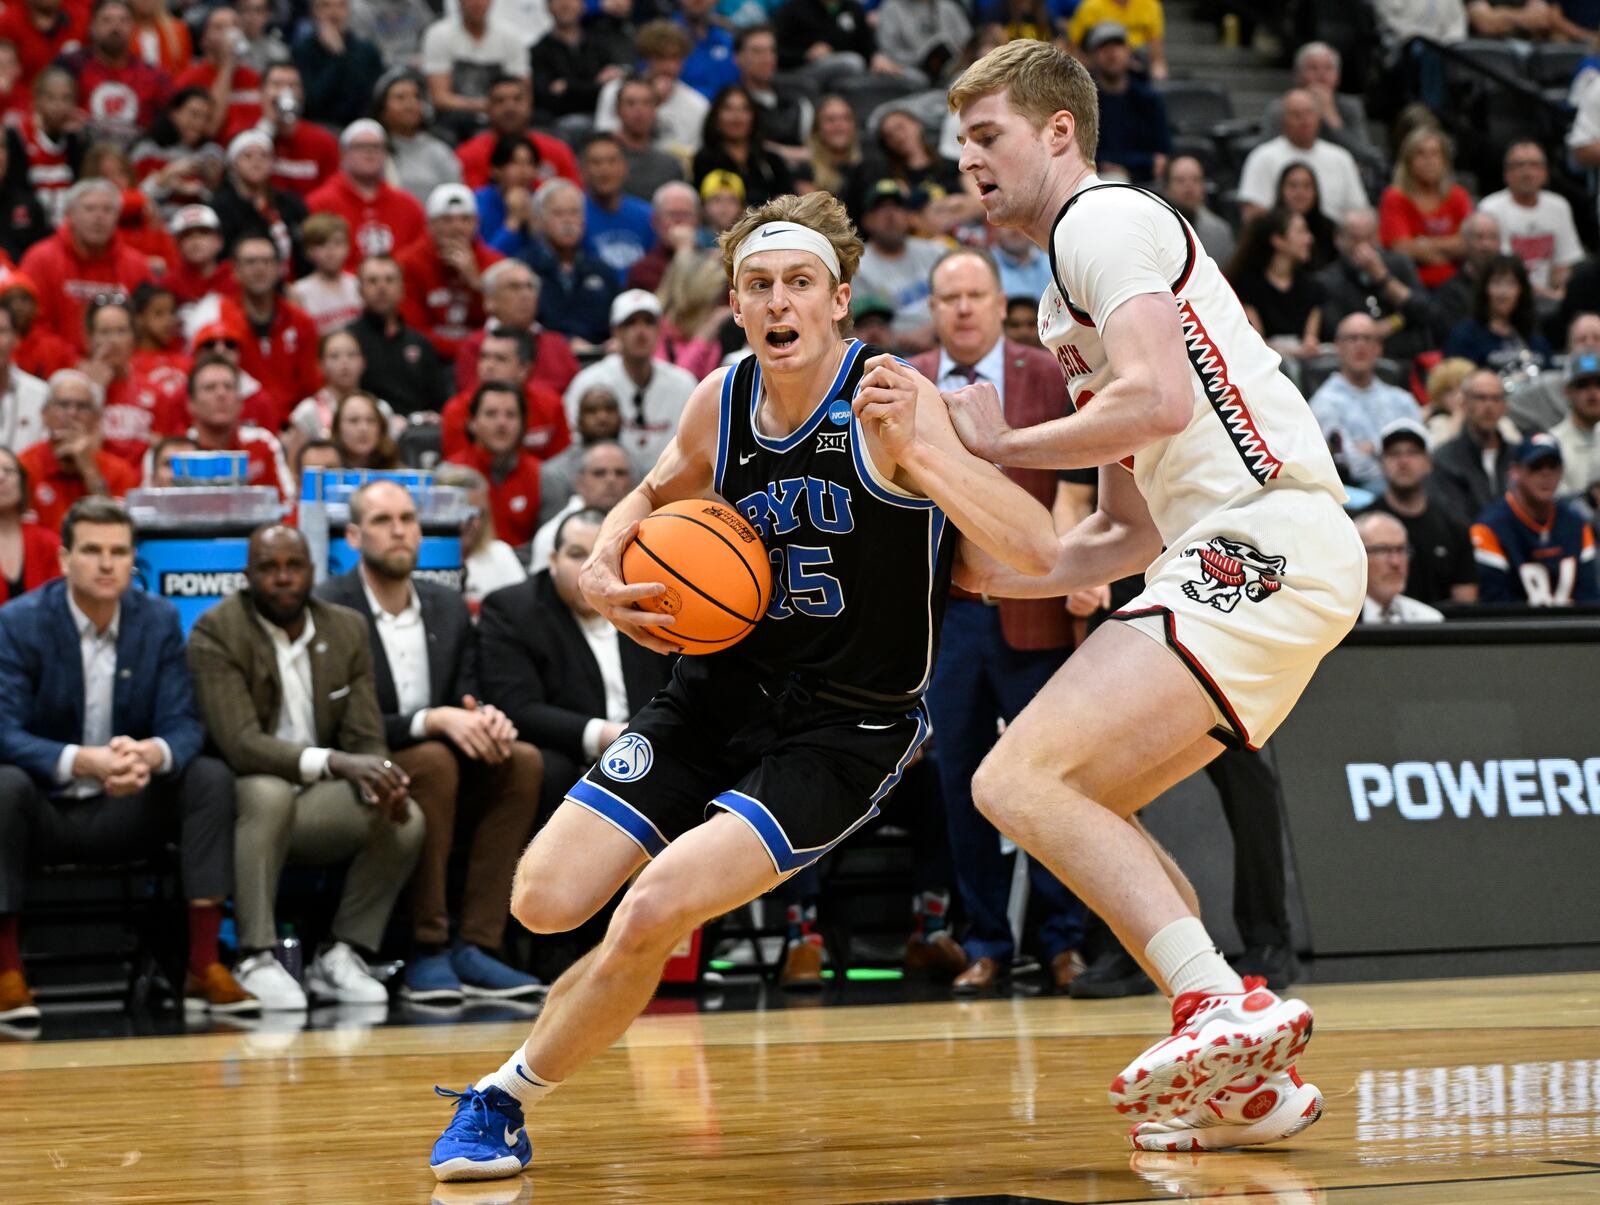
(539, 909)
(649, 921)
(993, 787)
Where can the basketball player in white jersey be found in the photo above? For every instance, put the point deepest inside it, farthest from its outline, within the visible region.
(1215, 484)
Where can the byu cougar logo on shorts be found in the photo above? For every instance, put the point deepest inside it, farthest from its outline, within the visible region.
(1229, 568)
(628, 759)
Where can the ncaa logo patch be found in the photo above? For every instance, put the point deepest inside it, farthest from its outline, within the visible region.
(839, 412)
(628, 758)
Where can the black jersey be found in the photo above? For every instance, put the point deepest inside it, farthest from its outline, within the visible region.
(860, 569)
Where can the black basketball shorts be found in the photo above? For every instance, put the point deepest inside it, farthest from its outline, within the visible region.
(801, 772)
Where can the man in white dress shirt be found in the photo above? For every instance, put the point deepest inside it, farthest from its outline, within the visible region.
(1389, 554)
(22, 397)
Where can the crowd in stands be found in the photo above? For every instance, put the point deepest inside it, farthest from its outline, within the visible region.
(362, 234)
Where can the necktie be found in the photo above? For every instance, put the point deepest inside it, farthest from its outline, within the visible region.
(966, 372)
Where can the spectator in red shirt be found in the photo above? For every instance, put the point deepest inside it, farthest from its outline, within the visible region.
(83, 259)
(53, 140)
(304, 155)
(511, 298)
(201, 271)
(132, 397)
(161, 39)
(282, 350)
(443, 272)
(383, 219)
(71, 464)
(511, 112)
(235, 88)
(504, 355)
(121, 92)
(1421, 213)
(42, 31)
(30, 553)
(158, 350)
(39, 353)
(216, 412)
(140, 225)
(498, 413)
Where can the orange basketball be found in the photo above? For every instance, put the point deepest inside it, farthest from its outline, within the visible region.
(714, 567)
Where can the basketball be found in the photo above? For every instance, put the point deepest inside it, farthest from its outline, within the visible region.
(714, 567)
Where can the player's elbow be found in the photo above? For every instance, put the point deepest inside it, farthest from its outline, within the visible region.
(1038, 556)
(1172, 409)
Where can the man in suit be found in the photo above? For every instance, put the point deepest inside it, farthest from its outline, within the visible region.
(1460, 466)
(284, 683)
(99, 738)
(425, 664)
(557, 669)
(994, 656)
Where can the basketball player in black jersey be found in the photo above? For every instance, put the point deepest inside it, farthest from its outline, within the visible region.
(755, 761)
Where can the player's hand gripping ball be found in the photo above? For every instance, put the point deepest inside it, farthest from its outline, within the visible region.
(714, 567)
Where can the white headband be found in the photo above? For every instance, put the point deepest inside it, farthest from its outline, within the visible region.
(787, 236)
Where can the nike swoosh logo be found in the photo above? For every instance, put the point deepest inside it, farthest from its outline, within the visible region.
(523, 1075)
(770, 233)
(747, 458)
(512, 1136)
(874, 727)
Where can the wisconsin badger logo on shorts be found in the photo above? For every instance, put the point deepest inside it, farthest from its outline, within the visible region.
(1229, 568)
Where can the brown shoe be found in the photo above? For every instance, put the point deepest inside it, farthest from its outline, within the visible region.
(982, 975)
(16, 1001)
(802, 967)
(1065, 967)
(938, 957)
(217, 991)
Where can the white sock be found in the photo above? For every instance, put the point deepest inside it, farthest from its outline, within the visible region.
(516, 1079)
(1183, 955)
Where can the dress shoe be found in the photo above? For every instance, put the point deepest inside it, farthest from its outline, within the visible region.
(1111, 976)
(16, 1001)
(1065, 967)
(1276, 964)
(938, 956)
(982, 975)
(802, 967)
(217, 991)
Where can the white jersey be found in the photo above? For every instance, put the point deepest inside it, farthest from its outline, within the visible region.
(1251, 428)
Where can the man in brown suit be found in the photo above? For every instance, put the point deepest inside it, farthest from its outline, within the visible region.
(285, 688)
(995, 655)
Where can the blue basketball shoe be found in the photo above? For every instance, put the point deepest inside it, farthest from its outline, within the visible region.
(485, 1140)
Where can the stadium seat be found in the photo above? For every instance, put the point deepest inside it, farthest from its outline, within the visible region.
(1508, 58)
(865, 93)
(1194, 106)
(1554, 65)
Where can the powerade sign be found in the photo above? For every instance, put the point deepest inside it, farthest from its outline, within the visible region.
(1446, 796)
(194, 573)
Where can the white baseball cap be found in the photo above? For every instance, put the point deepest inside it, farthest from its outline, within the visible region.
(193, 217)
(632, 302)
(449, 199)
(365, 126)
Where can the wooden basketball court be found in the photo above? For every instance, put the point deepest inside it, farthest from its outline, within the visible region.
(1437, 1093)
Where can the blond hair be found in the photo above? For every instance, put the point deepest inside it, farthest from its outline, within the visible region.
(690, 290)
(1448, 375)
(819, 211)
(1403, 180)
(1040, 80)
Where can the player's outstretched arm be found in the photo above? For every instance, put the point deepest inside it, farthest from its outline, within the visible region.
(1150, 398)
(684, 470)
(906, 421)
(1118, 539)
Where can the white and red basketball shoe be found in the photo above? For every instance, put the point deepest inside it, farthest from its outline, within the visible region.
(1251, 1111)
(1215, 1040)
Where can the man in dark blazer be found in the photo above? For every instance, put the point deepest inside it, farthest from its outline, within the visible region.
(1465, 485)
(459, 752)
(99, 738)
(564, 676)
(994, 655)
(284, 683)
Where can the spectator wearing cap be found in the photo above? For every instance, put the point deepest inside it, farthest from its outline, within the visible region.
(40, 352)
(216, 413)
(721, 202)
(1184, 185)
(443, 271)
(650, 164)
(42, 30)
(1539, 405)
(506, 355)
(1389, 556)
(573, 62)
(224, 337)
(1575, 434)
(304, 155)
(340, 68)
(617, 228)
(511, 298)
(663, 47)
(1339, 186)
(1133, 118)
(652, 392)
(735, 140)
(461, 54)
(383, 219)
(120, 91)
(234, 87)
(84, 258)
(201, 271)
(1441, 566)
(1531, 547)
(420, 160)
(71, 461)
(872, 317)
(247, 203)
(1353, 405)
(675, 218)
(510, 111)
(22, 394)
(576, 287)
(897, 266)
(1144, 20)
(281, 348)
(402, 367)
(497, 417)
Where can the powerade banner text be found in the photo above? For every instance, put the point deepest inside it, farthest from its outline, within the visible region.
(195, 573)
(1447, 796)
